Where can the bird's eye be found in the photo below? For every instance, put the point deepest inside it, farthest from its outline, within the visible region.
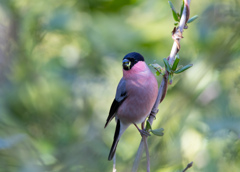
(126, 64)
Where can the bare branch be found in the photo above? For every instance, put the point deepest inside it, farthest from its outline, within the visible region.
(138, 156)
(177, 36)
(179, 30)
(188, 166)
(147, 152)
(114, 163)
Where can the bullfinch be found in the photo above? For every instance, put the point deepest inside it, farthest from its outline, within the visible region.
(135, 96)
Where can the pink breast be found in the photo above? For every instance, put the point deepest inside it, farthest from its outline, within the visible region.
(142, 89)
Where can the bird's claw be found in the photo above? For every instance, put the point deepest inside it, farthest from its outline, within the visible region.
(144, 133)
(154, 112)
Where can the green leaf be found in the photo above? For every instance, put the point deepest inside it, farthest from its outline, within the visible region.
(192, 19)
(167, 66)
(183, 69)
(178, 16)
(158, 132)
(170, 78)
(175, 64)
(148, 126)
(157, 67)
(174, 13)
(182, 7)
(171, 5)
(180, 66)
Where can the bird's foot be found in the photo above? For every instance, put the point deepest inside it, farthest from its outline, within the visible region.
(154, 112)
(143, 132)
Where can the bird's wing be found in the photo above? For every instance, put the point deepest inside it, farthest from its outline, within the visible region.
(121, 95)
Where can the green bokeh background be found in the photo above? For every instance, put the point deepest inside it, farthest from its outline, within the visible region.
(60, 63)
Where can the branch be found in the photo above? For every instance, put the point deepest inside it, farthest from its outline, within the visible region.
(188, 166)
(138, 157)
(177, 36)
(114, 163)
(147, 152)
(179, 30)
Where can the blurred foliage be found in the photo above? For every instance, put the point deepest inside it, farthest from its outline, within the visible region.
(60, 63)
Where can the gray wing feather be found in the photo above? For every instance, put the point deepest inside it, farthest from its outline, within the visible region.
(121, 95)
(121, 91)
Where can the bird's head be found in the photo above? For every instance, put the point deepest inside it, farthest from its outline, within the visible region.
(131, 59)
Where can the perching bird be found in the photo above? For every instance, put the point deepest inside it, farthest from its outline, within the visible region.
(135, 96)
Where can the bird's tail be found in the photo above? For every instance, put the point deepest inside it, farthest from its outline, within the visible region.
(120, 128)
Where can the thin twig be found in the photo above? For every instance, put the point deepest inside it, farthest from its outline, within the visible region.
(164, 84)
(114, 163)
(138, 156)
(147, 152)
(188, 166)
(182, 23)
(161, 94)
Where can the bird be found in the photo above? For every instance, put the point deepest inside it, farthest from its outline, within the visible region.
(135, 96)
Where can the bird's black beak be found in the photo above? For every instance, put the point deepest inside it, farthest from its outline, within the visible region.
(126, 64)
